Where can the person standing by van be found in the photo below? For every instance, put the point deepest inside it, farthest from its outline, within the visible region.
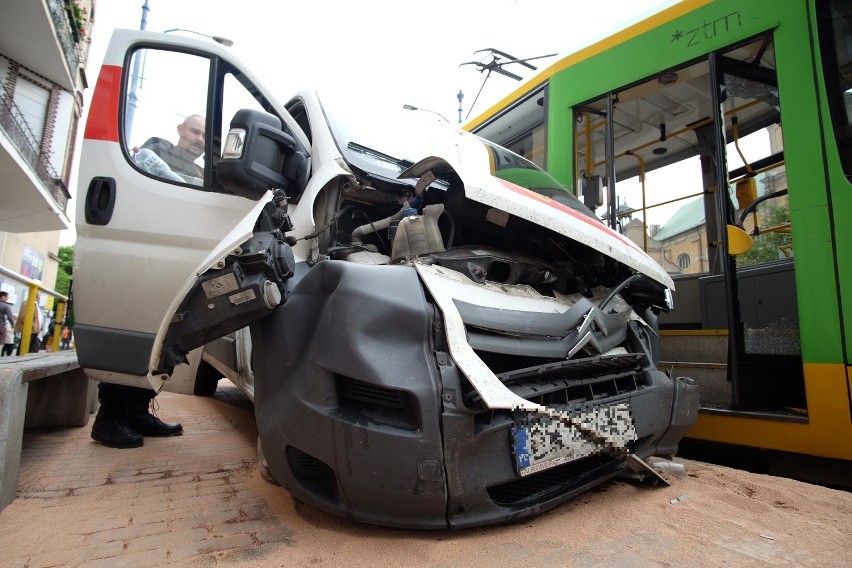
(123, 418)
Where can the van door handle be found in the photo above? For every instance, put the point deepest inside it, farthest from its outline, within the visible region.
(100, 200)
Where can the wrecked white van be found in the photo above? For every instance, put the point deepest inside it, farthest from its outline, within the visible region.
(434, 332)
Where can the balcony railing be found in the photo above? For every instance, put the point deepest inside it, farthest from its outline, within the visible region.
(19, 133)
(66, 32)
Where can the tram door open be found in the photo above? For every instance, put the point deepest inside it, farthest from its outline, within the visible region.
(653, 172)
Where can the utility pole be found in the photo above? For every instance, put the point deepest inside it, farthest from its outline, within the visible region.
(144, 21)
(132, 97)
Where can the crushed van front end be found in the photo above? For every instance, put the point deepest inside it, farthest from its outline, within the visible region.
(366, 409)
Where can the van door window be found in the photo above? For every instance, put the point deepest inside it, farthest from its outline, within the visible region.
(165, 122)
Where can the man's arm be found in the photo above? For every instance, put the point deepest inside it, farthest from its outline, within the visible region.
(173, 156)
(162, 162)
(159, 146)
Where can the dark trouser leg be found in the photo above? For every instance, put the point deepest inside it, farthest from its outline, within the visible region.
(142, 421)
(111, 427)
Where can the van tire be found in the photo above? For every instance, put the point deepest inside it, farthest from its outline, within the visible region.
(206, 379)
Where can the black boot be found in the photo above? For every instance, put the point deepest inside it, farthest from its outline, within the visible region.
(111, 428)
(145, 423)
(149, 425)
(114, 433)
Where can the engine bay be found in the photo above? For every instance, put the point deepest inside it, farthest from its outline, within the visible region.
(379, 221)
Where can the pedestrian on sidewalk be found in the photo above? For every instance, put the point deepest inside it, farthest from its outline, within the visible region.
(123, 418)
(7, 332)
(65, 339)
(35, 343)
(47, 340)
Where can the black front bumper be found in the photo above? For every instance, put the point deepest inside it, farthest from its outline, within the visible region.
(361, 414)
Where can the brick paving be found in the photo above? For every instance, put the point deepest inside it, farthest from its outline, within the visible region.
(173, 501)
(199, 500)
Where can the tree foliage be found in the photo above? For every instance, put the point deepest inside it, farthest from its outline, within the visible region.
(767, 246)
(66, 269)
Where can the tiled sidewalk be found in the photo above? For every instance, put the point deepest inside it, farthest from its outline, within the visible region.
(175, 499)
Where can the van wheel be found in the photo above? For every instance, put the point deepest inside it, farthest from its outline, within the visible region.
(206, 379)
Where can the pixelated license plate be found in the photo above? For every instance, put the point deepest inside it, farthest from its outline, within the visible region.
(561, 435)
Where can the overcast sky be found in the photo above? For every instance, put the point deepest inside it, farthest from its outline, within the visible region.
(389, 51)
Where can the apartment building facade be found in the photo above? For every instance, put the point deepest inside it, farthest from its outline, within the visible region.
(43, 50)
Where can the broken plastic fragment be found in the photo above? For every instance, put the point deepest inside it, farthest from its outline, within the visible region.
(667, 466)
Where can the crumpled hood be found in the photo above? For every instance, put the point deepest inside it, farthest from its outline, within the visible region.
(546, 212)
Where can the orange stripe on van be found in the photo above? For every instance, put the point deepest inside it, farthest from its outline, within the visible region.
(102, 123)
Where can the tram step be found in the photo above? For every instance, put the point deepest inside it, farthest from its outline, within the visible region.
(703, 346)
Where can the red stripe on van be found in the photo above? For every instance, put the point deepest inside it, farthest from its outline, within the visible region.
(102, 123)
(565, 209)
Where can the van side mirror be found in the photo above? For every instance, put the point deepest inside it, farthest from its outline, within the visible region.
(254, 154)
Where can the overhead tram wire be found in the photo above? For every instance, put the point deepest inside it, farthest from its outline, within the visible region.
(496, 66)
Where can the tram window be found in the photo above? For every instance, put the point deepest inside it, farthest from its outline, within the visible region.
(664, 162)
(660, 126)
(772, 240)
(754, 155)
(530, 145)
(756, 173)
(521, 129)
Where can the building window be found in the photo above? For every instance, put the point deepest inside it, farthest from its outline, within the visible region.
(684, 261)
(32, 100)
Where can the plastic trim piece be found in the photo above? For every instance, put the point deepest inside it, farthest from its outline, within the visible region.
(117, 350)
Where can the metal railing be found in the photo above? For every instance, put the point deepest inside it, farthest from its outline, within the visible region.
(15, 126)
(64, 33)
(33, 288)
